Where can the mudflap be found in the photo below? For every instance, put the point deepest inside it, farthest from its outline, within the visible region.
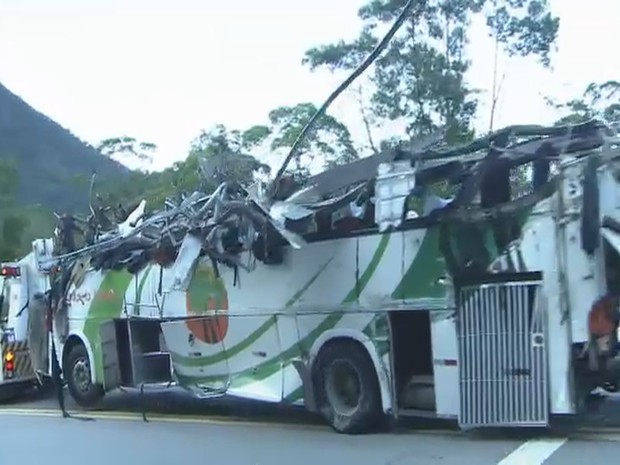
(308, 388)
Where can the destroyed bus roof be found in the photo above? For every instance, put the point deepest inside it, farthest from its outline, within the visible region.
(234, 219)
(540, 141)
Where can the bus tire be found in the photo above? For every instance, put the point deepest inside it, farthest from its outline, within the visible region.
(78, 377)
(347, 389)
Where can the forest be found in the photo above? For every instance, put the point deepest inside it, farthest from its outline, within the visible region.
(420, 79)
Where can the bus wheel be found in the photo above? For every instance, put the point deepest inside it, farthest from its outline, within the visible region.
(348, 392)
(79, 380)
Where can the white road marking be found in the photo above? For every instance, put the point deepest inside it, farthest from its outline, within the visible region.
(533, 452)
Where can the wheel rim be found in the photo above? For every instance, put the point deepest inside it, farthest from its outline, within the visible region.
(81, 374)
(343, 387)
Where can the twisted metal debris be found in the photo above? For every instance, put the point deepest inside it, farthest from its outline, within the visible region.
(234, 219)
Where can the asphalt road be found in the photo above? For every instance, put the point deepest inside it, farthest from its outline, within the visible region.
(182, 429)
(32, 439)
(155, 402)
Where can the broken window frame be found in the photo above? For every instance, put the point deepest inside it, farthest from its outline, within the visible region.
(249, 214)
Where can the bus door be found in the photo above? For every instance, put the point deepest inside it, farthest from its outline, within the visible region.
(501, 327)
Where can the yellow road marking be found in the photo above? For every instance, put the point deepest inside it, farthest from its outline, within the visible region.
(153, 417)
(187, 419)
(595, 436)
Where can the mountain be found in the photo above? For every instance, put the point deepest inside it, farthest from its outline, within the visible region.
(53, 165)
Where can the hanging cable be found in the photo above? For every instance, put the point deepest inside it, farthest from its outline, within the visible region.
(354, 75)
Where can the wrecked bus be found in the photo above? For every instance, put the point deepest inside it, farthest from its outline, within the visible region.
(493, 305)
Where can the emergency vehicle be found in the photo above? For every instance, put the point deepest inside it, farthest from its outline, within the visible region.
(17, 373)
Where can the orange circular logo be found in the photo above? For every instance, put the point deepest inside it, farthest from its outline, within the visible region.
(207, 293)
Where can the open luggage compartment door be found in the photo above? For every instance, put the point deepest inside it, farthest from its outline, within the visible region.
(502, 352)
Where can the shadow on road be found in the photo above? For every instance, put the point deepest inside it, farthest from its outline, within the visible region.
(173, 401)
(177, 402)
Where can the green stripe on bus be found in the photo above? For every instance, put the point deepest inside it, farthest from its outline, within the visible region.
(268, 368)
(107, 304)
(251, 339)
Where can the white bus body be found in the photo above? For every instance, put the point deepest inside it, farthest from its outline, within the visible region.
(368, 322)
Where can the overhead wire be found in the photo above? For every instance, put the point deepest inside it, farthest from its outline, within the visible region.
(346, 83)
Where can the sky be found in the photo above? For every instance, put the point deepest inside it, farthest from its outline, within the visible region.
(161, 71)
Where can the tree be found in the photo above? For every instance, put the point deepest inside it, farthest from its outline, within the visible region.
(599, 100)
(421, 76)
(330, 142)
(9, 180)
(221, 148)
(13, 222)
(127, 147)
(226, 156)
(369, 119)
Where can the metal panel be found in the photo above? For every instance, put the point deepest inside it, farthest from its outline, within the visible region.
(22, 365)
(392, 188)
(502, 355)
(109, 355)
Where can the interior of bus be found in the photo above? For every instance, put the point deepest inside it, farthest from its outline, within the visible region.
(412, 360)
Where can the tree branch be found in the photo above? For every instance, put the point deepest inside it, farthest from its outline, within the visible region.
(496, 89)
(366, 121)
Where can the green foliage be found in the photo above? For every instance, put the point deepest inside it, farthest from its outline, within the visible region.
(599, 100)
(227, 156)
(225, 152)
(421, 76)
(525, 27)
(255, 136)
(126, 146)
(330, 140)
(223, 149)
(13, 220)
(47, 158)
(419, 79)
(8, 180)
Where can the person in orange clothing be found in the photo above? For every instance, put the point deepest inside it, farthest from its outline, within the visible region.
(603, 322)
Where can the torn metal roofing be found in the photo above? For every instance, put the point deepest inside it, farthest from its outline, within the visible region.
(235, 219)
